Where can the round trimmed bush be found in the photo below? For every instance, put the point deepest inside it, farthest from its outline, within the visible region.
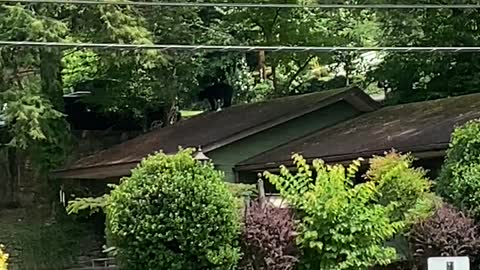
(174, 213)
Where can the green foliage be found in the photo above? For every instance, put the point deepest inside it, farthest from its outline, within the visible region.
(407, 187)
(242, 193)
(34, 125)
(78, 66)
(92, 205)
(346, 226)
(421, 76)
(242, 190)
(3, 259)
(171, 212)
(459, 180)
(30, 116)
(31, 82)
(340, 227)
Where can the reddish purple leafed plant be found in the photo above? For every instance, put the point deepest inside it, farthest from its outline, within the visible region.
(447, 233)
(269, 239)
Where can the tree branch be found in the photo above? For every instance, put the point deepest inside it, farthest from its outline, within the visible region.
(264, 31)
(292, 79)
(277, 14)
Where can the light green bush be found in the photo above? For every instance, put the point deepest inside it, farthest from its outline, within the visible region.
(343, 226)
(173, 213)
(3, 259)
(409, 188)
(459, 180)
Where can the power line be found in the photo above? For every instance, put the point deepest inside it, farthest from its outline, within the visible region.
(249, 5)
(178, 47)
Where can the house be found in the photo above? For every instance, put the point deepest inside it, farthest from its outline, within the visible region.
(336, 126)
(422, 128)
(230, 136)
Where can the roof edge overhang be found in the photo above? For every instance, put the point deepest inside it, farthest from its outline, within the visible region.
(420, 152)
(96, 172)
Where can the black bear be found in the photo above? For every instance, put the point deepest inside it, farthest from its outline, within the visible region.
(218, 91)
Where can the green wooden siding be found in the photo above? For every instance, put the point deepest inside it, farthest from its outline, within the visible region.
(225, 158)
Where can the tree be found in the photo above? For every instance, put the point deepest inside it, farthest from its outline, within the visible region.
(420, 76)
(174, 213)
(298, 27)
(31, 86)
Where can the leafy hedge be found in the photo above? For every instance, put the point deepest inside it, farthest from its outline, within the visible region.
(174, 213)
(269, 239)
(459, 180)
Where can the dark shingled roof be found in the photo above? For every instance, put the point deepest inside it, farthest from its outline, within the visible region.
(211, 130)
(423, 127)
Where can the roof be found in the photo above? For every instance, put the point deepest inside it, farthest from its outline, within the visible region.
(423, 128)
(210, 130)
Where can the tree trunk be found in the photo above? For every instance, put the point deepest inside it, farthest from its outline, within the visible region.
(51, 77)
(347, 75)
(261, 66)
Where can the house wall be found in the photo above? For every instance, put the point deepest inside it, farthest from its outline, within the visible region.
(225, 158)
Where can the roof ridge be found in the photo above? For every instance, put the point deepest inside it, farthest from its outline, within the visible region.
(433, 100)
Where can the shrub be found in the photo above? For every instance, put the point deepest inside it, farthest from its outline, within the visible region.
(447, 233)
(173, 213)
(340, 226)
(346, 226)
(241, 193)
(3, 259)
(398, 182)
(269, 239)
(459, 180)
(90, 205)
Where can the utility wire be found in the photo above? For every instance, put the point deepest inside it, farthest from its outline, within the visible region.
(249, 5)
(178, 47)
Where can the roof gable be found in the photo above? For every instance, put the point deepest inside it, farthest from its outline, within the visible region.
(215, 129)
(414, 127)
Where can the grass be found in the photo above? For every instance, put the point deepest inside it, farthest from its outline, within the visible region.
(188, 114)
